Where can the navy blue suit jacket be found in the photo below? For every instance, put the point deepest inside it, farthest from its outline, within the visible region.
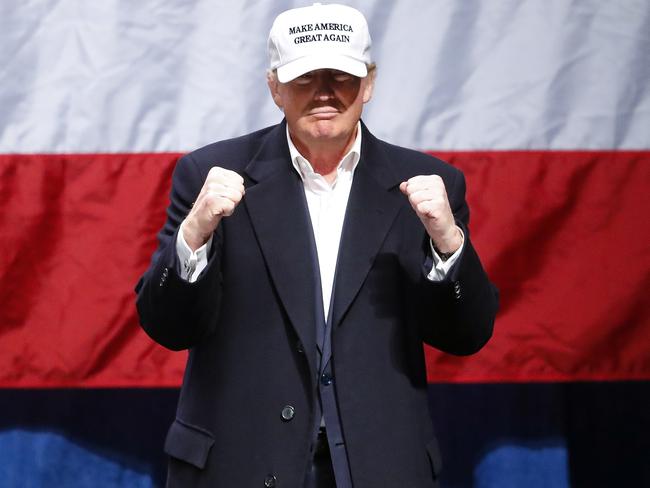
(249, 324)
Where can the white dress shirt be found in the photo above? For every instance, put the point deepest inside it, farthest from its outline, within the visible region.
(327, 204)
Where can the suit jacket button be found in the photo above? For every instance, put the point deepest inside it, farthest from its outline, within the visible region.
(269, 481)
(326, 379)
(288, 413)
(299, 347)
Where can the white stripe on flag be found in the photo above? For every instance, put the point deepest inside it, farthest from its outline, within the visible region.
(173, 75)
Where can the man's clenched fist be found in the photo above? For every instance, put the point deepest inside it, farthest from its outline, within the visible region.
(222, 191)
(428, 198)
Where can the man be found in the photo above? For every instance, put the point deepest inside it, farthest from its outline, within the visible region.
(303, 265)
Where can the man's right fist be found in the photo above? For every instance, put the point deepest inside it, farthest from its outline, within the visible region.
(222, 191)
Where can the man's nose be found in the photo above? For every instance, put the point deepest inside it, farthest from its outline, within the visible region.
(324, 90)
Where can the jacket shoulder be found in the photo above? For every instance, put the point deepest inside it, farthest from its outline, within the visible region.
(233, 154)
(407, 163)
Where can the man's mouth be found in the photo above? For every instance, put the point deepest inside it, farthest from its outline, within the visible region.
(324, 113)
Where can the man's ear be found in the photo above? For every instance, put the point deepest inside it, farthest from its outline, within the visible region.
(368, 86)
(272, 82)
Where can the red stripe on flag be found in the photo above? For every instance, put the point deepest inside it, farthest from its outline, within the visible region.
(561, 233)
(564, 235)
(77, 232)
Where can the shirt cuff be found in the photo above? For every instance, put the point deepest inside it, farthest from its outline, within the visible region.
(192, 262)
(440, 268)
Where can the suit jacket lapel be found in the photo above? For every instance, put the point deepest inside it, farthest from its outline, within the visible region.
(374, 202)
(278, 211)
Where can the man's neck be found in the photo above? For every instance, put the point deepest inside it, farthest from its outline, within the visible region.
(325, 156)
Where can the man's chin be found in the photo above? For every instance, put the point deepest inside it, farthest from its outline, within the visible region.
(324, 129)
(318, 131)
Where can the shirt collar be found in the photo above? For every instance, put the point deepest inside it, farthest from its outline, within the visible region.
(348, 163)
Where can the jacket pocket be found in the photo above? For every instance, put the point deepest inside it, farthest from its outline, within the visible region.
(188, 443)
(434, 457)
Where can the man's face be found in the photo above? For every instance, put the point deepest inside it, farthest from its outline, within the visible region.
(323, 105)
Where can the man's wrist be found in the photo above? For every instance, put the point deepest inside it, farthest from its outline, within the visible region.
(444, 256)
(192, 238)
(449, 245)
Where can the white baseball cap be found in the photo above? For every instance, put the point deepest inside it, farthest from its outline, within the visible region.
(319, 37)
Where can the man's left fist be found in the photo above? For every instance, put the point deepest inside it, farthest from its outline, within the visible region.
(428, 198)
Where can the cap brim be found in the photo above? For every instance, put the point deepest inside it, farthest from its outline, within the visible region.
(300, 66)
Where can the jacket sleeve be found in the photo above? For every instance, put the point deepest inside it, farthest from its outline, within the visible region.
(463, 306)
(172, 311)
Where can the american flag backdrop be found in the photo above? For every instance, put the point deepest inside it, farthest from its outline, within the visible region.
(545, 106)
